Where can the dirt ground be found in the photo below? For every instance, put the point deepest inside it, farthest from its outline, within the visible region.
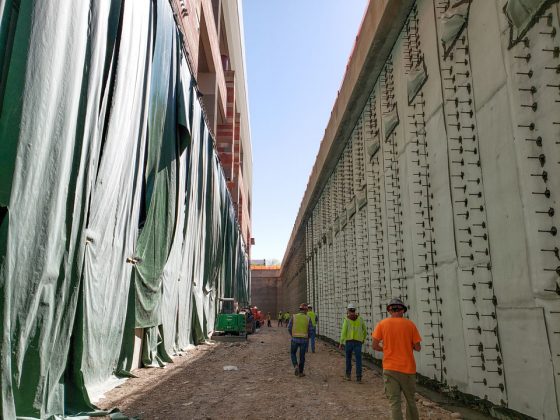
(196, 386)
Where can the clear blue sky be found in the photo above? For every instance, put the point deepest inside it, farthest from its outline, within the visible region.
(296, 52)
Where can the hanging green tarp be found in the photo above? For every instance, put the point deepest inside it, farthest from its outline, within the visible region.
(114, 191)
(43, 121)
(154, 242)
(114, 211)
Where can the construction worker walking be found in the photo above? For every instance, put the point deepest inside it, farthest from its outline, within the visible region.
(280, 318)
(397, 337)
(352, 336)
(286, 317)
(314, 318)
(299, 327)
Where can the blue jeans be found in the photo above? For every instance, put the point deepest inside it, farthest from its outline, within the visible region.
(293, 352)
(355, 347)
(312, 339)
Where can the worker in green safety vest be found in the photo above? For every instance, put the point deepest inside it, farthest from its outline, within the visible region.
(314, 319)
(280, 318)
(299, 327)
(352, 336)
(286, 317)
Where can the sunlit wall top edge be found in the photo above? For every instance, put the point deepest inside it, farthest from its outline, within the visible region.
(380, 29)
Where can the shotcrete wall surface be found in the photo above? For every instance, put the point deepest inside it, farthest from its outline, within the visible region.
(446, 194)
(264, 290)
(293, 286)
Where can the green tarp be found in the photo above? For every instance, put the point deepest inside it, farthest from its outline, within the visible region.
(523, 14)
(114, 211)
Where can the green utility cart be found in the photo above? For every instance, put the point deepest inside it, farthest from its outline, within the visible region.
(230, 326)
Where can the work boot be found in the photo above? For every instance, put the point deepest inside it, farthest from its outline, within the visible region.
(359, 379)
(301, 374)
(347, 378)
(296, 370)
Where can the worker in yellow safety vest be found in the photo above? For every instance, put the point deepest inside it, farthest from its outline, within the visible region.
(314, 318)
(280, 318)
(352, 336)
(286, 317)
(299, 327)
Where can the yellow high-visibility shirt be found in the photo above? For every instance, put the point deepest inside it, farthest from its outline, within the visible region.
(353, 330)
(300, 326)
(313, 316)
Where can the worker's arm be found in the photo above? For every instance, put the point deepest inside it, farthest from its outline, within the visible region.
(290, 326)
(416, 339)
(377, 345)
(342, 334)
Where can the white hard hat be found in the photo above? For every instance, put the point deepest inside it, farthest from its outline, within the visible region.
(351, 306)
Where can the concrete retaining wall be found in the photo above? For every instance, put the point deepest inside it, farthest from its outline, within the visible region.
(445, 193)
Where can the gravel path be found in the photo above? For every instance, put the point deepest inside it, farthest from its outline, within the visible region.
(196, 386)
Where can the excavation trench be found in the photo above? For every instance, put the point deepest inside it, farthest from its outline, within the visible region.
(196, 386)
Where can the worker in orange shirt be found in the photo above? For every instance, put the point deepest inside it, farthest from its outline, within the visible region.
(397, 337)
